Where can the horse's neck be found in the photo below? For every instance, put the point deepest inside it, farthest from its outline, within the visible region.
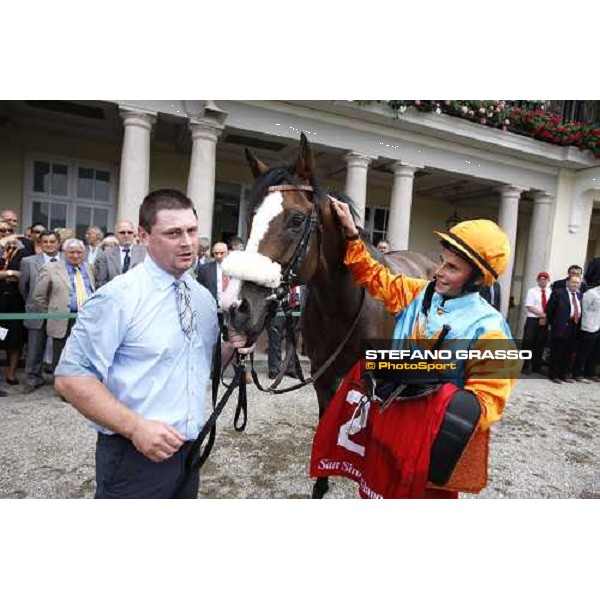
(333, 288)
(332, 282)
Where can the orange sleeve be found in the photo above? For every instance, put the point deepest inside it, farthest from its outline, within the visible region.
(491, 380)
(395, 291)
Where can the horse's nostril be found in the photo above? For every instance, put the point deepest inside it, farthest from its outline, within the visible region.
(244, 306)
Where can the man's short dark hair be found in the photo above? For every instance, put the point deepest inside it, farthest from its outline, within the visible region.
(49, 233)
(162, 200)
(575, 267)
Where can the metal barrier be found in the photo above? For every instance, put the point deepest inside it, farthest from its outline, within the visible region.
(53, 316)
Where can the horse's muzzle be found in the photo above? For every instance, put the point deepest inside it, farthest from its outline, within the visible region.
(251, 314)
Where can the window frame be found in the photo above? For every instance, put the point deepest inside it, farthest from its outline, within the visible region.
(71, 199)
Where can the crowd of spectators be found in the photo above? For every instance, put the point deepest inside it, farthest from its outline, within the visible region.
(52, 271)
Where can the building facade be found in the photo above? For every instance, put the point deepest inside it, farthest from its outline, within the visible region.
(75, 163)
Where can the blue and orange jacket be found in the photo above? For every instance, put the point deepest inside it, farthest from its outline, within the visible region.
(469, 316)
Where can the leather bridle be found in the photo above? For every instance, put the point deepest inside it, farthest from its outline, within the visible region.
(288, 279)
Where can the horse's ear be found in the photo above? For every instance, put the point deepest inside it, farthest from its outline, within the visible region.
(257, 167)
(305, 165)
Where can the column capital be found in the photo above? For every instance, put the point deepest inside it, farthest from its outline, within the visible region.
(509, 191)
(212, 113)
(205, 129)
(542, 197)
(356, 159)
(137, 117)
(403, 169)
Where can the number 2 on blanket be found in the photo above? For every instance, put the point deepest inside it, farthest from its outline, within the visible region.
(355, 424)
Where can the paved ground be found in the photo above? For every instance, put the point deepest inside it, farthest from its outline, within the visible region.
(547, 446)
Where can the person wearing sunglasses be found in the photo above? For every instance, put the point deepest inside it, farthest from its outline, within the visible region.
(11, 253)
(36, 233)
(120, 259)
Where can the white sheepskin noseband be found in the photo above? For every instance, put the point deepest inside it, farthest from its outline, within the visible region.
(248, 264)
(252, 266)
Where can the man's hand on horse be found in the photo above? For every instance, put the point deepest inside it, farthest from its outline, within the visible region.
(238, 341)
(342, 210)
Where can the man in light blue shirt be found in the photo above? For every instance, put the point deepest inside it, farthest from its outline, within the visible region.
(138, 360)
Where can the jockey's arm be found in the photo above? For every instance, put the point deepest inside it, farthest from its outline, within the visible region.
(395, 291)
(491, 381)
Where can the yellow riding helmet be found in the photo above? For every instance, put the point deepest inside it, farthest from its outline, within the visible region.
(485, 244)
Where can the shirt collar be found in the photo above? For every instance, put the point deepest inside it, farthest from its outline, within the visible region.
(456, 302)
(161, 278)
(71, 268)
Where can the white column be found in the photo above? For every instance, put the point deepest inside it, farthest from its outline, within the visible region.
(356, 181)
(507, 220)
(201, 178)
(134, 176)
(401, 205)
(537, 256)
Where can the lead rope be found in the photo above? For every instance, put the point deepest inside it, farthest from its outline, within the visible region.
(196, 459)
(321, 369)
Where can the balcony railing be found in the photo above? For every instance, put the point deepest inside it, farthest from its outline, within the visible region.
(580, 111)
(559, 122)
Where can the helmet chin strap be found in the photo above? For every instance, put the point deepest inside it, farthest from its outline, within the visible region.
(471, 284)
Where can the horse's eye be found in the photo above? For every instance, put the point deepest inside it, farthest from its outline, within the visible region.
(296, 220)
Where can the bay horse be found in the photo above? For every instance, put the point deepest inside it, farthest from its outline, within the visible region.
(295, 239)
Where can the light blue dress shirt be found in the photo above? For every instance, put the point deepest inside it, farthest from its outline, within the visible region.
(86, 281)
(128, 336)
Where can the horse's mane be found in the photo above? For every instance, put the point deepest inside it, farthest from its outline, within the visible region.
(285, 174)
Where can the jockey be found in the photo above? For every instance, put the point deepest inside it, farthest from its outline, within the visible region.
(474, 253)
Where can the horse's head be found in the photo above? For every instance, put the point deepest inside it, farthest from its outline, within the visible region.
(283, 247)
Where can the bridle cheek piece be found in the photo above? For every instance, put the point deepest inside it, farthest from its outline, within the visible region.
(290, 273)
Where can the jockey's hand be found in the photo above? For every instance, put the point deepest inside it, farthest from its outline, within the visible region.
(342, 210)
(156, 440)
(238, 341)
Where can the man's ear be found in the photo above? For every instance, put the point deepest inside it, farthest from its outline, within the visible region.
(143, 236)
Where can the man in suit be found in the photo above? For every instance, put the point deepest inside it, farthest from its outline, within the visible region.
(36, 330)
(63, 287)
(211, 275)
(275, 333)
(93, 237)
(203, 251)
(121, 258)
(202, 257)
(564, 317)
(562, 283)
(535, 332)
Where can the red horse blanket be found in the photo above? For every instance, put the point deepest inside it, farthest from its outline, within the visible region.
(385, 452)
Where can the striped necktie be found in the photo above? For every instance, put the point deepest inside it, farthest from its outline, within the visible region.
(80, 290)
(183, 298)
